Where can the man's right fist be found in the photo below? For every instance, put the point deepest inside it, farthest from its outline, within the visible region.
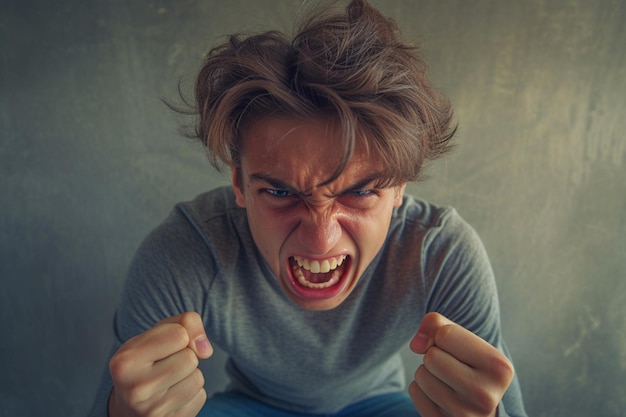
(156, 373)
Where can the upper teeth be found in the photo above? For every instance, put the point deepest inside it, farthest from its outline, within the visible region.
(320, 267)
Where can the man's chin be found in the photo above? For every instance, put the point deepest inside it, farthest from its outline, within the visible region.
(318, 304)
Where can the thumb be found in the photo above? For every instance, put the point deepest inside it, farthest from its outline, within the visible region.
(424, 339)
(198, 340)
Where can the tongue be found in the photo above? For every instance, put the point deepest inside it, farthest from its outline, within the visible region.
(317, 278)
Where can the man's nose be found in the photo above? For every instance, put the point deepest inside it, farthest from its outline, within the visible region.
(319, 231)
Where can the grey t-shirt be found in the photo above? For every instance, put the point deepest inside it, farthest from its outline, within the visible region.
(202, 258)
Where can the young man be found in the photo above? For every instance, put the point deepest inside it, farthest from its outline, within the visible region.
(314, 269)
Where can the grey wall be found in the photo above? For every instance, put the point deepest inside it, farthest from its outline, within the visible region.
(90, 161)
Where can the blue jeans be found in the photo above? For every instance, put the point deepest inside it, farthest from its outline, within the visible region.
(233, 404)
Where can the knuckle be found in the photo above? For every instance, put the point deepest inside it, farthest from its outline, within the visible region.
(121, 363)
(487, 402)
(180, 335)
(202, 395)
(484, 400)
(138, 393)
(444, 334)
(197, 379)
(433, 358)
(503, 369)
(420, 373)
(189, 358)
(194, 406)
(430, 356)
(189, 319)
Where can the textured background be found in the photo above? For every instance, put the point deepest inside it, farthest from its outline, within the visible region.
(90, 161)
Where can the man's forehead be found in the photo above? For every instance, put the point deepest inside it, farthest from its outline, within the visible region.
(304, 155)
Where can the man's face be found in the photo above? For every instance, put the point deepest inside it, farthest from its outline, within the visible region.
(317, 239)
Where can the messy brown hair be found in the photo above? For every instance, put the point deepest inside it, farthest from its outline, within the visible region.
(350, 64)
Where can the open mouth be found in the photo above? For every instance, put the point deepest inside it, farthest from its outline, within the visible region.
(318, 275)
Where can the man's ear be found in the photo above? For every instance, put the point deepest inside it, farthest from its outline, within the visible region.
(397, 202)
(237, 178)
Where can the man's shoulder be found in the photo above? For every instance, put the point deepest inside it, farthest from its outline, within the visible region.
(216, 202)
(419, 219)
(422, 213)
(210, 216)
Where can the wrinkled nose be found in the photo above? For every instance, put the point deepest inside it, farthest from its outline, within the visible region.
(319, 232)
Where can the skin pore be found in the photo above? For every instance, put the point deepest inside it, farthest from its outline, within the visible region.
(317, 238)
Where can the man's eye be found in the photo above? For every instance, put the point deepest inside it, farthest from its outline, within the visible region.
(360, 193)
(359, 199)
(278, 193)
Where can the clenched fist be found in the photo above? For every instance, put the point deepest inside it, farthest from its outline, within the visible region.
(462, 375)
(156, 373)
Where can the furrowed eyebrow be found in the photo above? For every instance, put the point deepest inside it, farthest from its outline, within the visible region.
(274, 182)
(360, 185)
(281, 185)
